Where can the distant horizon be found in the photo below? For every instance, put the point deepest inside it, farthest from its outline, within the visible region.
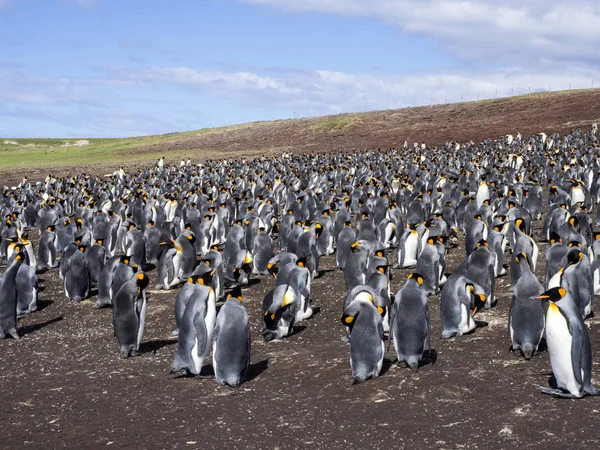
(66, 138)
(167, 68)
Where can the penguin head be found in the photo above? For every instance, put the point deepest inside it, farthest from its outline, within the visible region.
(416, 277)
(380, 252)
(125, 260)
(82, 248)
(478, 299)
(51, 227)
(521, 257)
(553, 295)
(574, 256)
(301, 262)
(19, 257)
(555, 238)
(236, 293)
(273, 269)
(574, 244)
(574, 222)
(142, 281)
(482, 243)
(356, 247)
(206, 278)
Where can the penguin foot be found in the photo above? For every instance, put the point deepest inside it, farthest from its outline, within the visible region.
(203, 377)
(558, 393)
(14, 334)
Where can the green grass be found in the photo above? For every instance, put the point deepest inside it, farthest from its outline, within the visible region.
(334, 123)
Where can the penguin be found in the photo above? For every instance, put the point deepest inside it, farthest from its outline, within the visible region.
(475, 232)
(186, 291)
(523, 243)
(297, 276)
(363, 319)
(129, 314)
(556, 257)
(526, 315)
(168, 267)
(497, 242)
(27, 289)
(379, 280)
(278, 314)
(231, 345)
(577, 279)
(345, 239)
(48, 248)
(460, 301)
(281, 260)
(356, 265)
(8, 298)
(594, 255)
(95, 255)
(195, 331)
(481, 266)
(411, 330)
(568, 346)
(77, 276)
(106, 280)
(240, 269)
(428, 265)
(152, 239)
(409, 248)
(262, 252)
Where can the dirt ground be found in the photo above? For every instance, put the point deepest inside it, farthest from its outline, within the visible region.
(63, 385)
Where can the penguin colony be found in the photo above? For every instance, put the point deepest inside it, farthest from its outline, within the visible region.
(208, 229)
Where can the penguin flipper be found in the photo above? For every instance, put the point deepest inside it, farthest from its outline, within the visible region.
(201, 333)
(577, 352)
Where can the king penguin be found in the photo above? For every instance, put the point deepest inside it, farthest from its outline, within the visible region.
(411, 330)
(568, 345)
(129, 314)
(363, 319)
(231, 347)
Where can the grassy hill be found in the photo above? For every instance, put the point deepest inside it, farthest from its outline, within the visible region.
(529, 114)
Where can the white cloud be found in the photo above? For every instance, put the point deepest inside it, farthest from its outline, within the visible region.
(542, 31)
(331, 92)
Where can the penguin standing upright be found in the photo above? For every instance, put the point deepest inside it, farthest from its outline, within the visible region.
(362, 317)
(8, 298)
(262, 252)
(526, 315)
(77, 276)
(568, 345)
(231, 347)
(411, 330)
(106, 280)
(129, 314)
(27, 289)
(195, 331)
(345, 239)
(48, 248)
(481, 266)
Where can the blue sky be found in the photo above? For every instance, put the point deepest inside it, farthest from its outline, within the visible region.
(95, 68)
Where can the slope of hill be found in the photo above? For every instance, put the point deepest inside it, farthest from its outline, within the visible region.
(548, 112)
